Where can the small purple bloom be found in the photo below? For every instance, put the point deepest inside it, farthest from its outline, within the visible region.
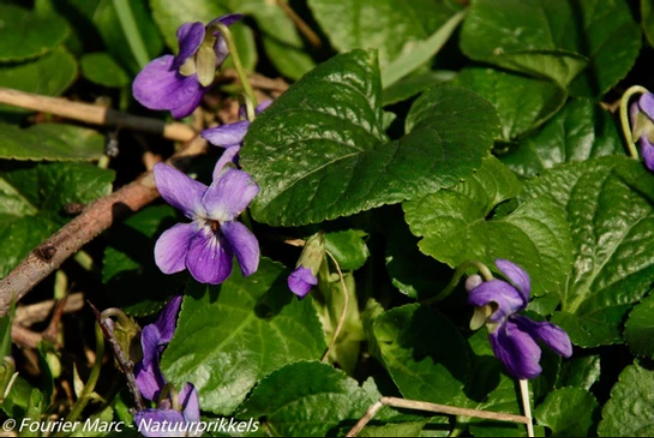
(231, 136)
(301, 281)
(174, 83)
(645, 106)
(207, 245)
(513, 337)
(169, 422)
(154, 339)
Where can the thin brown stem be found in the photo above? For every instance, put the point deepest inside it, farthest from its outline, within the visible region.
(95, 218)
(346, 304)
(302, 26)
(126, 365)
(433, 408)
(95, 114)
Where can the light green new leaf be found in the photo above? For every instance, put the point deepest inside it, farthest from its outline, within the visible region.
(33, 200)
(319, 152)
(569, 412)
(231, 336)
(50, 142)
(391, 26)
(580, 131)
(556, 39)
(455, 227)
(522, 103)
(348, 247)
(610, 212)
(306, 399)
(25, 34)
(425, 354)
(49, 75)
(630, 410)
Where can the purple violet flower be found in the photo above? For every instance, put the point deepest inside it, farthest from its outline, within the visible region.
(231, 136)
(166, 421)
(642, 118)
(301, 281)
(154, 339)
(513, 337)
(207, 246)
(178, 83)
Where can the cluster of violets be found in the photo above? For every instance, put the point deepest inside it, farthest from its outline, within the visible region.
(208, 244)
(642, 122)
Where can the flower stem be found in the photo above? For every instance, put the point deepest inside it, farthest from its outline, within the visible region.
(346, 304)
(456, 278)
(88, 389)
(131, 31)
(526, 406)
(250, 98)
(624, 117)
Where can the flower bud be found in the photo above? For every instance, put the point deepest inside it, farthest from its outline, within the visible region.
(473, 282)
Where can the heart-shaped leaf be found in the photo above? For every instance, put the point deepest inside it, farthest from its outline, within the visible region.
(569, 412)
(639, 329)
(454, 227)
(319, 152)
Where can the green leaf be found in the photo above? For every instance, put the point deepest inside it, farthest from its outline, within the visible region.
(319, 152)
(394, 430)
(640, 328)
(454, 226)
(349, 248)
(569, 412)
(51, 142)
(49, 75)
(101, 68)
(522, 103)
(420, 53)
(33, 200)
(17, 401)
(630, 411)
(415, 84)
(647, 19)
(610, 212)
(580, 372)
(33, 414)
(424, 353)
(306, 399)
(170, 14)
(391, 26)
(580, 131)
(229, 337)
(555, 39)
(134, 282)
(25, 34)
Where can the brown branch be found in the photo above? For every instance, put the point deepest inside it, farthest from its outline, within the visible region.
(258, 81)
(95, 114)
(126, 365)
(302, 26)
(401, 403)
(95, 218)
(24, 337)
(35, 313)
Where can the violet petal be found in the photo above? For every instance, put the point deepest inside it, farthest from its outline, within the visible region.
(227, 136)
(244, 244)
(150, 341)
(167, 320)
(646, 104)
(647, 150)
(550, 334)
(516, 275)
(179, 190)
(229, 195)
(188, 398)
(508, 299)
(189, 36)
(209, 259)
(149, 380)
(301, 281)
(517, 350)
(159, 86)
(194, 100)
(171, 247)
(229, 155)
